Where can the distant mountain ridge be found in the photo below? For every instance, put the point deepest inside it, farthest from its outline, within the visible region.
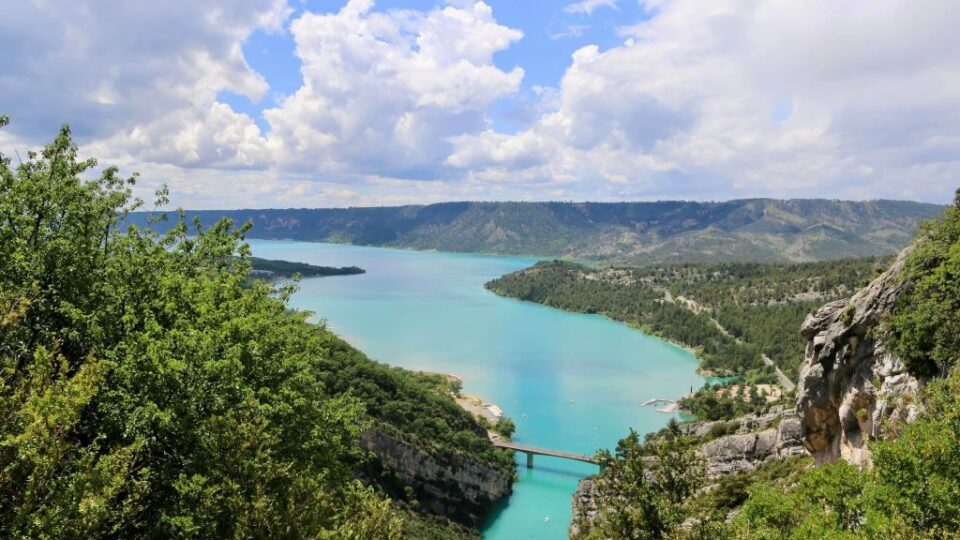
(629, 232)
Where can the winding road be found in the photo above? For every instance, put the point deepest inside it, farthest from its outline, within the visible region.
(693, 306)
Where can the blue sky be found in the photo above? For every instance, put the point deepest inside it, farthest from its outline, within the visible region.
(313, 103)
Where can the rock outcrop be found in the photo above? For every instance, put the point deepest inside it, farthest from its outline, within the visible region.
(459, 487)
(584, 507)
(747, 450)
(753, 441)
(851, 385)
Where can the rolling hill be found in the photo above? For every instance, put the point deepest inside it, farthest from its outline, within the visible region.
(633, 232)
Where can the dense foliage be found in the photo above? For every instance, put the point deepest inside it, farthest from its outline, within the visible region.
(288, 269)
(642, 487)
(148, 390)
(630, 232)
(732, 313)
(926, 329)
(717, 401)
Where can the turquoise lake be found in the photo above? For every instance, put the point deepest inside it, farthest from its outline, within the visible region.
(570, 382)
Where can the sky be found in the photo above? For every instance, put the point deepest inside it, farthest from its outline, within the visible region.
(322, 103)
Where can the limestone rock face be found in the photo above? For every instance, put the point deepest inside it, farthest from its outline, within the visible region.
(746, 450)
(758, 439)
(584, 506)
(851, 385)
(461, 488)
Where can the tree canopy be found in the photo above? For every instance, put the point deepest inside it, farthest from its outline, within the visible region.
(925, 327)
(149, 389)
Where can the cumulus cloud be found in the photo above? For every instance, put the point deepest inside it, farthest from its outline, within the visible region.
(385, 93)
(730, 97)
(139, 77)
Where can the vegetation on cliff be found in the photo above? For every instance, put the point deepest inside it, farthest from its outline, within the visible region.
(926, 327)
(720, 402)
(148, 389)
(912, 491)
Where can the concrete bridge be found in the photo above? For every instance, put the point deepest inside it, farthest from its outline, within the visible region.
(534, 451)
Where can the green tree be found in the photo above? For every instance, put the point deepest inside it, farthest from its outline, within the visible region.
(918, 474)
(925, 327)
(643, 486)
(628, 505)
(146, 390)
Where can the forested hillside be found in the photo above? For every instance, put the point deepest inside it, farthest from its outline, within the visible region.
(731, 313)
(636, 233)
(150, 390)
(910, 484)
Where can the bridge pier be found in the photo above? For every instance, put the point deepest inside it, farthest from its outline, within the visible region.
(529, 460)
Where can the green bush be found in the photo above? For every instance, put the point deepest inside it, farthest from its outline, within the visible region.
(925, 327)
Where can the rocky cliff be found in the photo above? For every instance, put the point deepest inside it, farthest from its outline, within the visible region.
(751, 441)
(758, 439)
(584, 506)
(852, 387)
(457, 487)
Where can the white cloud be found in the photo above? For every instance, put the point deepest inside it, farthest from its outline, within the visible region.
(587, 7)
(384, 93)
(139, 78)
(729, 97)
(572, 31)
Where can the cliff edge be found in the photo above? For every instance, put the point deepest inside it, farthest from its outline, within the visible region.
(852, 387)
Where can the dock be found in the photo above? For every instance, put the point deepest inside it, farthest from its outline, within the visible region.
(669, 405)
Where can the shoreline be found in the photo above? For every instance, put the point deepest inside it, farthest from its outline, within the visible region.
(481, 409)
(691, 349)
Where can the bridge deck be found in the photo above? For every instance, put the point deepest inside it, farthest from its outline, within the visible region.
(544, 451)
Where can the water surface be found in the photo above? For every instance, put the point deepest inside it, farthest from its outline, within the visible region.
(570, 382)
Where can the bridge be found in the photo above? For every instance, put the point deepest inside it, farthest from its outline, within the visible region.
(534, 451)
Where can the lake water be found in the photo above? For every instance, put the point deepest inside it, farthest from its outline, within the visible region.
(570, 382)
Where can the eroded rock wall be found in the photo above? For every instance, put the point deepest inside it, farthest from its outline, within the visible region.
(460, 487)
(778, 438)
(852, 386)
(584, 506)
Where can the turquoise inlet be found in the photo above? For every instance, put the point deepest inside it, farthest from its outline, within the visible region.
(570, 382)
